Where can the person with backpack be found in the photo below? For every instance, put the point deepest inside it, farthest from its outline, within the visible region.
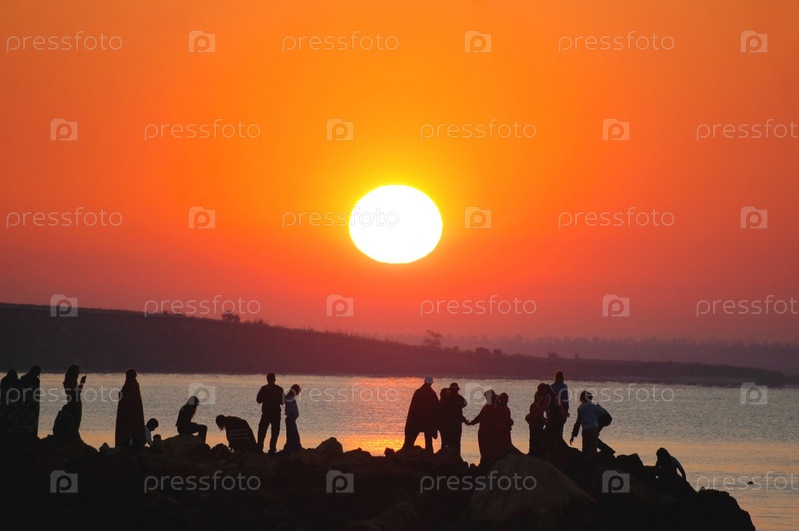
(588, 418)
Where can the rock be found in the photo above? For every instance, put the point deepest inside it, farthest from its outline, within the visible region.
(554, 502)
(330, 450)
(187, 446)
(307, 457)
(719, 511)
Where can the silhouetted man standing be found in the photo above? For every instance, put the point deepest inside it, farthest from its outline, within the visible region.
(422, 416)
(270, 397)
(452, 417)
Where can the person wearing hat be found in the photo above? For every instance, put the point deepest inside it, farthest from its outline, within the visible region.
(292, 413)
(422, 416)
(452, 419)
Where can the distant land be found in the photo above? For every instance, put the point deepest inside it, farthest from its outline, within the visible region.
(112, 340)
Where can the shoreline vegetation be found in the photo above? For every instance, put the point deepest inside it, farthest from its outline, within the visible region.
(109, 341)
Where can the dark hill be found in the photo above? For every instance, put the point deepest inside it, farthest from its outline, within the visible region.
(112, 340)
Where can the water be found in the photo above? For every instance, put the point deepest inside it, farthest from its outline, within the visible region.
(724, 437)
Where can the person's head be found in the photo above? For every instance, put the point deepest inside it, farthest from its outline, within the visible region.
(220, 421)
(35, 371)
(559, 377)
(73, 371)
(428, 380)
(444, 391)
(503, 399)
(193, 401)
(662, 453)
(542, 388)
(270, 378)
(152, 424)
(12, 374)
(454, 388)
(585, 396)
(296, 389)
(490, 396)
(130, 374)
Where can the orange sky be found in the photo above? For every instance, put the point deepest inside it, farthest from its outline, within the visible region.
(545, 67)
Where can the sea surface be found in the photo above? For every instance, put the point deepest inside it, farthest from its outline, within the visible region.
(742, 440)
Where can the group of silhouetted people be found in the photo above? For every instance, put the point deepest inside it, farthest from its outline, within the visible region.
(19, 406)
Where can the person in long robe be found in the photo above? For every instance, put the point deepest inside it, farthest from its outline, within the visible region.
(130, 414)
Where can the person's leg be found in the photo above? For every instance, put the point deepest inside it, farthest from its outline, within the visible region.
(428, 441)
(589, 442)
(202, 431)
(291, 434)
(410, 439)
(274, 422)
(602, 446)
(262, 425)
(455, 438)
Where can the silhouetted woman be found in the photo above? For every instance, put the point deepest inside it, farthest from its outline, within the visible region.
(486, 419)
(31, 388)
(536, 418)
(66, 427)
(503, 423)
(185, 423)
(130, 414)
(10, 407)
(292, 413)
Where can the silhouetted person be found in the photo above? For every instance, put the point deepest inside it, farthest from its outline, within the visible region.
(422, 416)
(503, 424)
(536, 418)
(292, 413)
(555, 424)
(588, 419)
(440, 417)
(240, 437)
(11, 409)
(66, 427)
(452, 419)
(487, 420)
(271, 397)
(185, 423)
(670, 475)
(130, 414)
(31, 389)
(149, 428)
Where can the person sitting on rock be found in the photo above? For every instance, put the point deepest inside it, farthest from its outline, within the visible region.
(185, 423)
(149, 428)
(668, 467)
(240, 437)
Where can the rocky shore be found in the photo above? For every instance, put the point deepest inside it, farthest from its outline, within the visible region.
(185, 484)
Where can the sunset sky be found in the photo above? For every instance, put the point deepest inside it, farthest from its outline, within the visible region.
(590, 111)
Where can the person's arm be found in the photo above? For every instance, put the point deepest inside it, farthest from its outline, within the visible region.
(680, 469)
(260, 397)
(148, 435)
(576, 428)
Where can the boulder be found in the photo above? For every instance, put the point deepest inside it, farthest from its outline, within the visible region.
(330, 450)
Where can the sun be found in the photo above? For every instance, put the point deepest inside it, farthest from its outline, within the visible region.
(395, 224)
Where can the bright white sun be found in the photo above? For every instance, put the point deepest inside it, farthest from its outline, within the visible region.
(395, 224)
